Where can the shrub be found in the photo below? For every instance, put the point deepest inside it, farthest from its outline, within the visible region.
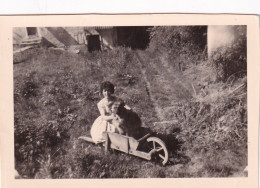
(180, 44)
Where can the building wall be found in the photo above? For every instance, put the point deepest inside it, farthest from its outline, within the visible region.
(221, 36)
(63, 35)
(48, 37)
(19, 33)
(67, 36)
(77, 33)
(108, 36)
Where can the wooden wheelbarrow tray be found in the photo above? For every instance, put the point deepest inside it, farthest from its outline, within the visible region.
(147, 147)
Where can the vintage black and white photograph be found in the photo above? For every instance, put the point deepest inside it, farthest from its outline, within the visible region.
(130, 102)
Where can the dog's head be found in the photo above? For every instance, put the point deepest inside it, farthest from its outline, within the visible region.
(115, 107)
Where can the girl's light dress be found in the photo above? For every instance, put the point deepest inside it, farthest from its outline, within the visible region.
(100, 125)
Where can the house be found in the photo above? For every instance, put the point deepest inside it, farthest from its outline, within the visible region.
(96, 38)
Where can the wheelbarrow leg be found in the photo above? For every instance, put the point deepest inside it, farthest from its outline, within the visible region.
(106, 143)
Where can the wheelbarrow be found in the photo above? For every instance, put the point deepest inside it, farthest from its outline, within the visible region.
(147, 147)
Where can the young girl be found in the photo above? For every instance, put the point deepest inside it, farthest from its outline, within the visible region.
(108, 109)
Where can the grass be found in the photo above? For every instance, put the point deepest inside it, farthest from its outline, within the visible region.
(212, 127)
(55, 97)
(213, 121)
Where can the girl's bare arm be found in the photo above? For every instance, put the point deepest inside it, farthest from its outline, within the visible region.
(103, 114)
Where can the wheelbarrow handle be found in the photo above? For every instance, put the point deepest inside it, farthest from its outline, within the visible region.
(144, 137)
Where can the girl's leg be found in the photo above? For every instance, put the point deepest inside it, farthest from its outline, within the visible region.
(98, 127)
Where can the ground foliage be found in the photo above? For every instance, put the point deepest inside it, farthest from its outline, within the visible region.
(55, 97)
(213, 123)
(180, 45)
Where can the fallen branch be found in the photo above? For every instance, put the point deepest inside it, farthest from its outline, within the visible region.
(203, 91)
(199, 111)
(237, 88)
(193, 89)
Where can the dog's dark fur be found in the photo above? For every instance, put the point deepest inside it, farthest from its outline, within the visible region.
(130, 122)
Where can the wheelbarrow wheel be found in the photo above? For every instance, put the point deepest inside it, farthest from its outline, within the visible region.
(158, 149)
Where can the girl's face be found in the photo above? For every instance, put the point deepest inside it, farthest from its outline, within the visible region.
(106, 93)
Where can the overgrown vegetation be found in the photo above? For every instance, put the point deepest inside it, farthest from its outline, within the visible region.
(56, 92)
(213, 124)
(55, 99)
(181, 45)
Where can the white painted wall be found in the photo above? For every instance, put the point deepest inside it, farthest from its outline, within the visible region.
(220, 36)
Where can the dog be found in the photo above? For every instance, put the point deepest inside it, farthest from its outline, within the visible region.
(126, 121)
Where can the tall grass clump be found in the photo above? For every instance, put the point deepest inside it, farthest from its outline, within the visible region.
(216, 130)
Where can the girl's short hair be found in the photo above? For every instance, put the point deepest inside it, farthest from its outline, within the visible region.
(108, 86)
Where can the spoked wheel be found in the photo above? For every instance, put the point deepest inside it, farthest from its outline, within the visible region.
(158, 150)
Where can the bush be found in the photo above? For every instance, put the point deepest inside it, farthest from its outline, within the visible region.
(180, 44)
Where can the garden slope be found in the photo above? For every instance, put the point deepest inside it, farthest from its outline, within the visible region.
(55, 97)
(212, 116)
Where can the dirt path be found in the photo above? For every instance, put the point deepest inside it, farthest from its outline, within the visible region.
(165, 86)
(158, 109)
